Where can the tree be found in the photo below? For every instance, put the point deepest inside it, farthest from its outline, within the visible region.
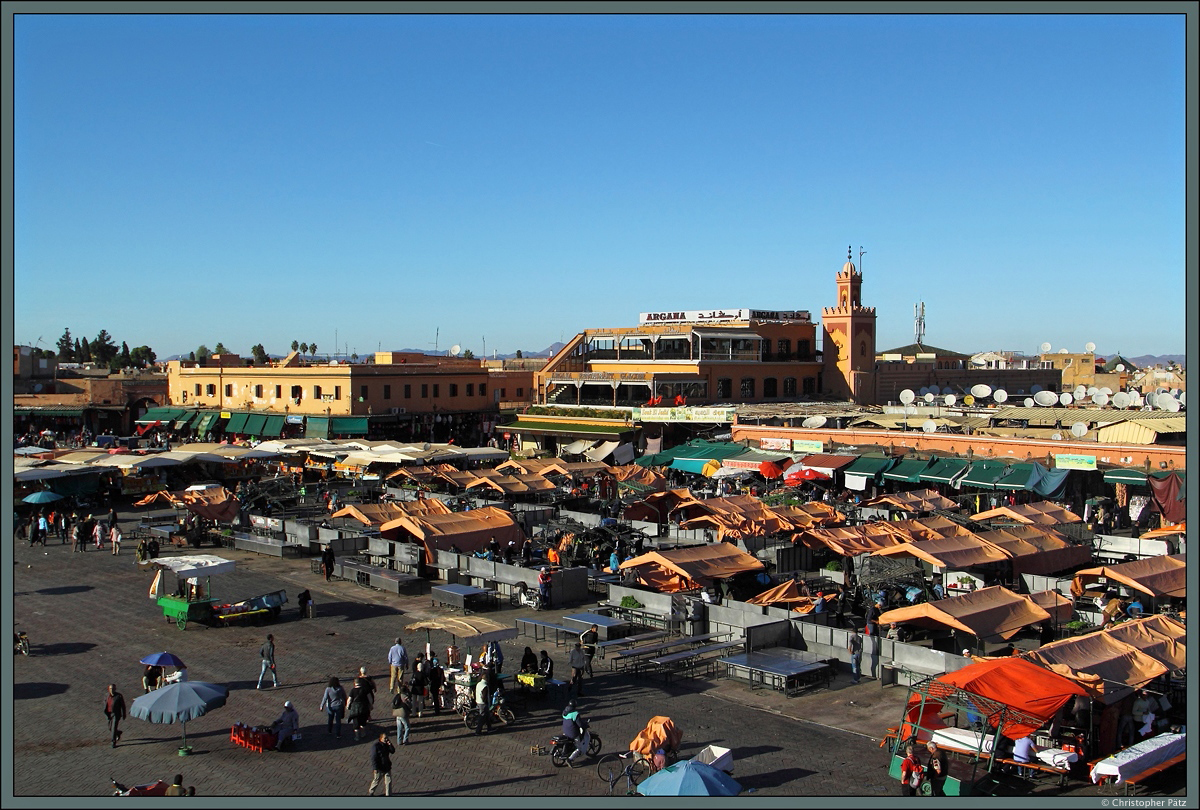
(260, 354)
(518, 354)
(202, 352)
(142, 356)
(220, 348)
(123, 359)
(191, 357)
(468, 355)
(103, 348)
(303, 348)
(77, 352)
(66, 349)
(312, 349)
(295, 346)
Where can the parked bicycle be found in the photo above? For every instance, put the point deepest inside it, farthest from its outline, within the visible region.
(501, 715)
(622, 770)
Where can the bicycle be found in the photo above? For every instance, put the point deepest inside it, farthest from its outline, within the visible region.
(501, 715)
(628, 768)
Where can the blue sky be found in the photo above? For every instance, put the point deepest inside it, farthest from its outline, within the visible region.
(516, 179)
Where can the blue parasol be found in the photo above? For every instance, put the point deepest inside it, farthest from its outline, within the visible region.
(179, 702)
(42, 496)
(689, 778)
(163, 659)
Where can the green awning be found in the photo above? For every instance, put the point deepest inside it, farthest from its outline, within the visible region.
(868, 465)
(909, 470)
(984, 474)
(1022, 475)
(568, 428)
(945, 470)
(236, 423)
(254, 424)
(349, 425)
(316, 427)
(37, 411)
(160, 415)
(691, 465)
(1125, 475)
(273, 426)
(206, 424)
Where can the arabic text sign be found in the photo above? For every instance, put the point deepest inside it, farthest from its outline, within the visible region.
(808, 446)
(1070, 462)
(775, 444)
(711, 315)
(684, 414)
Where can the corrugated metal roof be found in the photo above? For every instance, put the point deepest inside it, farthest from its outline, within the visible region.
(1174, 424)
(1069, 416)
(1140, 431)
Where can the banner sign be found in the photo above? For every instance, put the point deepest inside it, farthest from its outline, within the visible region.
(295, 419)
(1069, 462)
(808, 446)
(684, 414)
(262, 522)
(775, 444)
(723, 315)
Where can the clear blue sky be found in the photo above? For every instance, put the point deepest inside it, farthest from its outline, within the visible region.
(192, 179)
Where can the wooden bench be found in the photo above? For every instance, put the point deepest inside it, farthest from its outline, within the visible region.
(685, 660)
(603, 646)
(523, 626)
(1042, 767)
(624, 658)
(1138, 778)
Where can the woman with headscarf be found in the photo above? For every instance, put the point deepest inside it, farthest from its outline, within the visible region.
(529, 661)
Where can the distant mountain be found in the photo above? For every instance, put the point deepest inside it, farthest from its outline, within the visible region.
(1151, 360)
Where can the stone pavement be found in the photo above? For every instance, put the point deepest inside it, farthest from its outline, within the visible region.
(90, 619)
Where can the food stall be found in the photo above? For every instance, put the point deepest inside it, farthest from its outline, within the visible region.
(191, 599)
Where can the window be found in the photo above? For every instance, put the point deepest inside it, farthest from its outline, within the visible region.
(810, 385)
(503, 393)
(337, 392)
(197, 389)
(296, 393)
(258, 391)
(770, 387)
(470, 389)
(362, 393)
(784, 349)
(279, 392)
(520, 393)
(228, 389)
(789, 386)
(453, 389)
(862, 349)
(747, 388)
(724, 388)
(424, 390)
(483, 389)
(316, 392)
(407, 391)
(387, 392)
(185, 396)
(210, 390)
(803, 352)
(437, 387)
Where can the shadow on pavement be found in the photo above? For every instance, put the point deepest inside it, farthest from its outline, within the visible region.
(346, 611)
(63, 590)
(29, 691)
(476, 786)
(62, 648)
(759, 781)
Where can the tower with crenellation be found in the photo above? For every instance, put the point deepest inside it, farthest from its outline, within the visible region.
(848, 339)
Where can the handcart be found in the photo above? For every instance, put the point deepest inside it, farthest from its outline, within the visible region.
(192, 601)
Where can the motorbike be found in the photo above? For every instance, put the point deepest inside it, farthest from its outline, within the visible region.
(524, 596)
(21, 642)
(501, 714)
(158, 788)
(562, 747)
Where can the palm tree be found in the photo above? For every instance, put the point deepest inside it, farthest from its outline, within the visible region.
(295, 345)
(312, 349)
(303, 348)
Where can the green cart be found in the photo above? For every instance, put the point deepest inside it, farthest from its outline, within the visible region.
(191, 599)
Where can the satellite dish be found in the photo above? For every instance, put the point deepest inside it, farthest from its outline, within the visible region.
(1089, 347)
(37, 388)
(1092, 391)
(1120, 366)
(1000, 395)
(1161, 390)
(455, 349)
(1028, 402)
(907, 396)
(929, 426)
(1080, 392)
(1063, 351)
(968, 400)
(1045, 347)
(928, 397)
(1172, 405)
(1151, 399)
(981, 391)
(1057, 437)
(1045, 398)
(1065, 399)
(1175, 392)
(1120, 400)
(1183, 398)
(1100, 398)
(949, 400)
(947, 390)
(1106, 391)
(1035, 389)
(1135, 399)
(333, 362)
(425, 446)
(1078, 430)
(813, 422)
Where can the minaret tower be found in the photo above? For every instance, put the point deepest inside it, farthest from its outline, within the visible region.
(848, 339)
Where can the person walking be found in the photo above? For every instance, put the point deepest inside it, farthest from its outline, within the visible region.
(911, 771)
(369, 683)
(98, 532)
(589, 638)
(854, 646)
(358, 708)
(381, 764)
(578, 663)
(267, 654)
(333, 703)
(114, 537)
(401, 706)
(76, 538)
(114, 710)
(436, 680)
(328, 559)
(397, 664)
(419, 683)
(483, 701)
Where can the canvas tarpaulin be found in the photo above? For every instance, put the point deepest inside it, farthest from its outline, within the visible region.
(1037, 550)
(1160, 637)
(468, 531)
(1060, 608)
(219, 505)
(734, 517)
(658, 505)
(1165, 575)
(687, 568)
(989, 613)
(640, 478)
(1168, 493)
(1042, 512)
(1166, 531)
(957, 552)
(1101, 663)
(812, 515)
(924, 500)
(376, 514)
(850, 541)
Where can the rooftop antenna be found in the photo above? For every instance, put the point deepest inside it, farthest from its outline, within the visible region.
(919, 318)
(485, 347)
(437, 332)
(861, 253)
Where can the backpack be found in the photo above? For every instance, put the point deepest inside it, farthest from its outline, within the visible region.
(397, 701)
(916, 774)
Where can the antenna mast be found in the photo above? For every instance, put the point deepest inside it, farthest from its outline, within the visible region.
(919, 321)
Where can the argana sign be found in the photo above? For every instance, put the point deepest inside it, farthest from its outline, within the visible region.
(718, 315)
